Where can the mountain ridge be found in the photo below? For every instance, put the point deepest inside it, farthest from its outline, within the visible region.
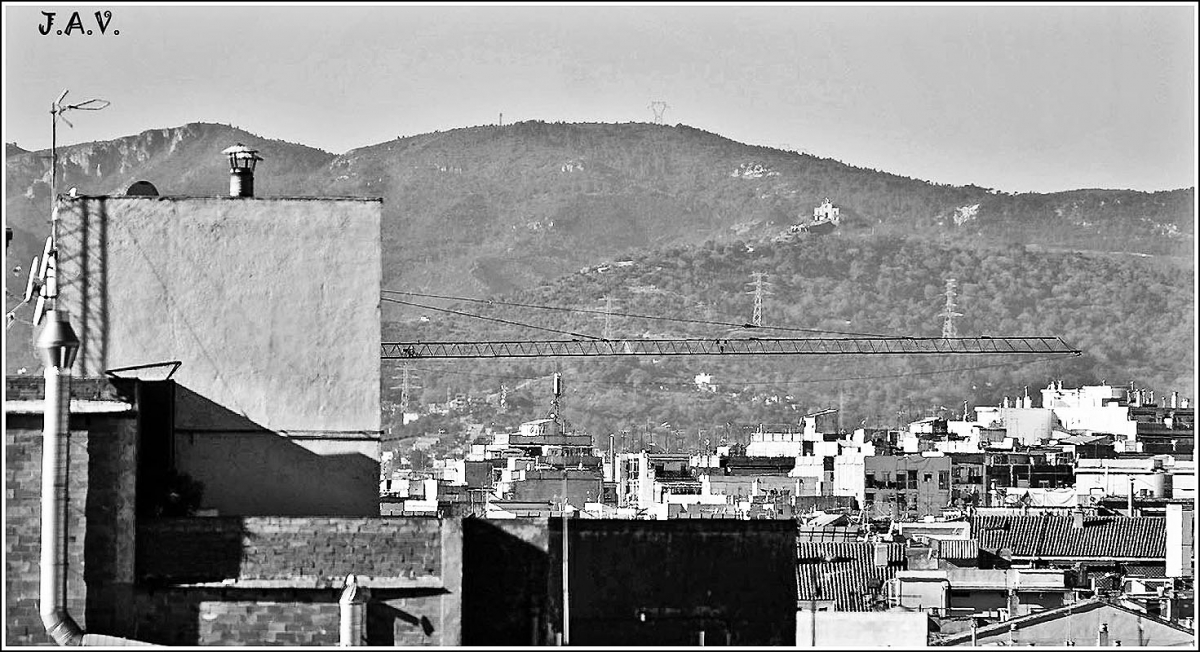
(487, 210)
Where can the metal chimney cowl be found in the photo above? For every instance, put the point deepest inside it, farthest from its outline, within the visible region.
(242, 160)
(58, 343)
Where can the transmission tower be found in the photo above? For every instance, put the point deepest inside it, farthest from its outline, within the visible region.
(406, 386)
(608, 311)
(761, 289)
(948, 330)
(658, 107)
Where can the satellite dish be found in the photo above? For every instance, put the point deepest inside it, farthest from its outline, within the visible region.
(34, 281)
(46, 257)
(142, 189)
(48, 267)
(39, 310)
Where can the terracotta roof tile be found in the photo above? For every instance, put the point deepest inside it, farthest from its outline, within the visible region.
(1107, 537)
(844, 572)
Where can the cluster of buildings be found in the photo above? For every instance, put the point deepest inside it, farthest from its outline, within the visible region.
(1071, 523)
(1095, 447)
(220, 484)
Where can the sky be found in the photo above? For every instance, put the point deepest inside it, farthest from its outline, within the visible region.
(1020, 98)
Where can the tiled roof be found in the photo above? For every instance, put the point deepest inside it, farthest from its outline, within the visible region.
(957, 549)
(844, 572)
(1106, 537)
(1145, 570)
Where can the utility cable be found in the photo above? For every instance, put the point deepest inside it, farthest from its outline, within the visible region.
(747, 326)
(495, 319)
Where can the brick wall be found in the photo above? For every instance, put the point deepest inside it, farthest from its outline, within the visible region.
(277, 580)
(412, 565)
(505, 582)
(33, 388)
(316, 551)
(23, 527)
(734, 580)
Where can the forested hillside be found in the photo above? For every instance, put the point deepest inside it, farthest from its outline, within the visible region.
(513, 212)
(1133, 321)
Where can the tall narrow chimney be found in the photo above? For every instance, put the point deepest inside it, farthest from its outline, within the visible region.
(241, 169)
(1130, 497)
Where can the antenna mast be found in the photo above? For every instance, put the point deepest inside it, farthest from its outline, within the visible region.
(43, 277)
(57, 109)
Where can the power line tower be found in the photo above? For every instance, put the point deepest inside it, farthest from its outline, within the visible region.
(949, 313)
(406, 387)
(608, 312)
(761, 289)
(658, 107)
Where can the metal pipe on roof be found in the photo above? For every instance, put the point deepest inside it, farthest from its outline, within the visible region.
(353, 606)
(58, 346)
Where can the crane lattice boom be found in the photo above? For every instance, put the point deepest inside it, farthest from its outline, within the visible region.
(739, 346)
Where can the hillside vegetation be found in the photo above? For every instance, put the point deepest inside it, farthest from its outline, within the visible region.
(516, 211)
(1132, 321)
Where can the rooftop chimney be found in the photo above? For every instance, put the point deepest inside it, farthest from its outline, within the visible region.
(1130, 500)
(1174, 399)
(881, 554)
(241, 170)
(1077, 520)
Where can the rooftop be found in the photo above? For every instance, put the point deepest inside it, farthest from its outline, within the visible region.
(1048, 536)
(844, 572)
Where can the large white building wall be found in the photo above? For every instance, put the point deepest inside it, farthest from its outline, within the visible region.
(848, 477)
(1111, 419)
(858, 630)
(272, 305)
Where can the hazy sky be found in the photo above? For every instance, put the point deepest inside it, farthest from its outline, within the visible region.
(1019, 98)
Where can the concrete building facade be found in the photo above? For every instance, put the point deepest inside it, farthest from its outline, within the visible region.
(271, 309)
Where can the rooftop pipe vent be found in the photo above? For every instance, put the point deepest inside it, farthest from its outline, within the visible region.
(241, 169)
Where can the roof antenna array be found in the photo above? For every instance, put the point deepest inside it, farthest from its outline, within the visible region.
(48, 272)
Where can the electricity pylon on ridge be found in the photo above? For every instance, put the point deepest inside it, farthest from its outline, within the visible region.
(658, 107)
(608, 312)
(949, 313)
(406, 387)
(761, 289)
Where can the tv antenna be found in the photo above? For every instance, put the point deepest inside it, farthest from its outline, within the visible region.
(43, 277)
(658, 107)
(48, 270)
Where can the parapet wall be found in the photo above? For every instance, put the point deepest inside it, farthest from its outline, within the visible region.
(292, 552)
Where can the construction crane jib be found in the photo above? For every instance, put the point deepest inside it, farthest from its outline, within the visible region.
(738, 346)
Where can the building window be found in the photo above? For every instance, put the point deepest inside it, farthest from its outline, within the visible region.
(870, 480)
(912, 479)
(928, 477)
(943, 479)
